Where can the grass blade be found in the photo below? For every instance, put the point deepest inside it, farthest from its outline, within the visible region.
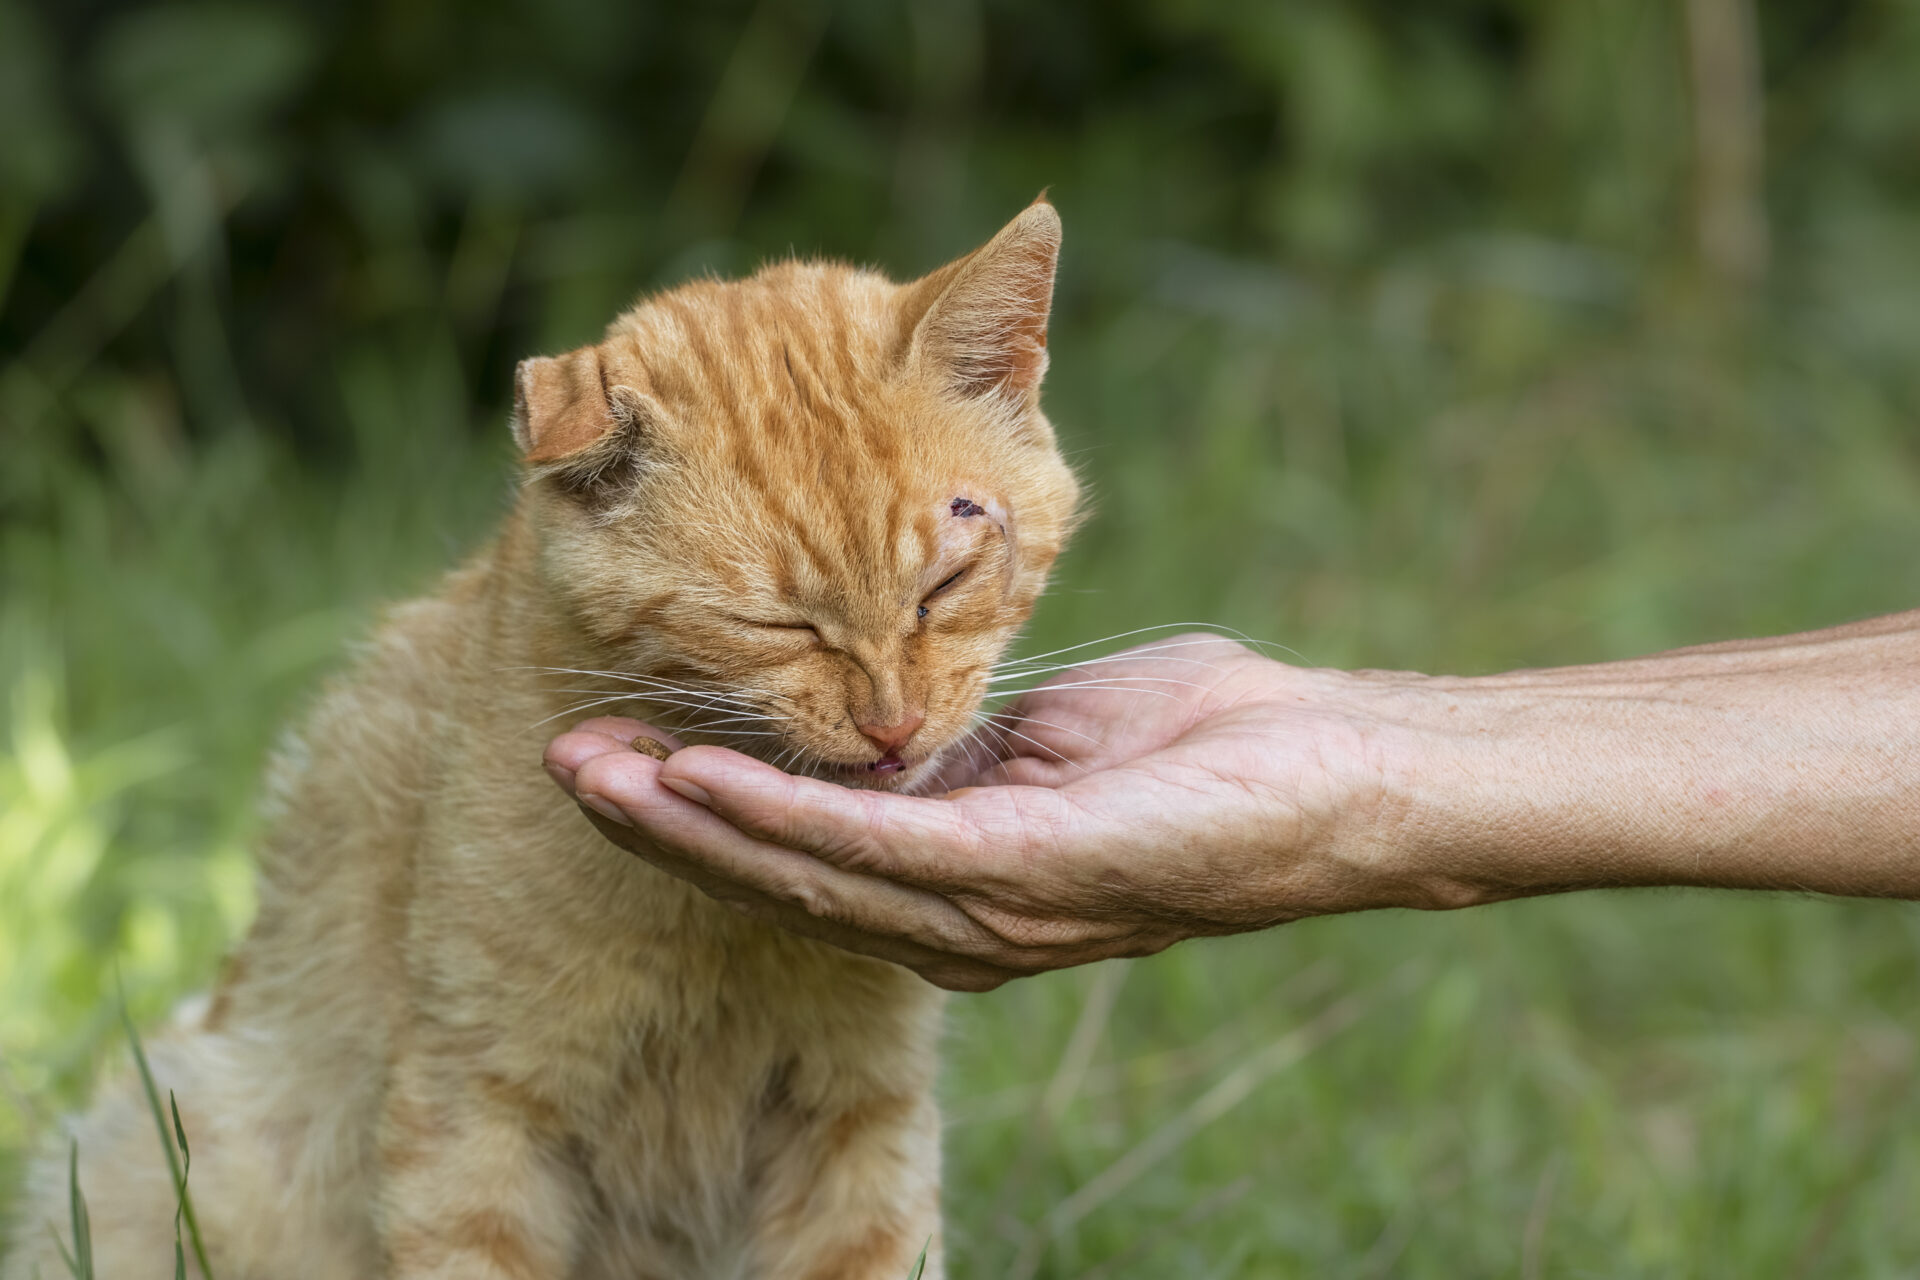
(73, 1268)
(1227, 1093)
(184, 1210)
(920, 1263)
(80, 1261)
(186, 1172)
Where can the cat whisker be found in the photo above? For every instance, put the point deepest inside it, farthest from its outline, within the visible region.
(576, 709)
(722, 716)
(1145, 654)
(714, 734)
(1142, 655)
(1204, 637)
(1096, 677)
(1224, 632)
(676, 691)
(743, 711)
(988, 759)
(1110, 684)
(970, 745)
(1086, 667)
(727, 690)
(730, 733)
(1044, 747)
(1025, 719)
(701, 694)
(654, 706)
(1040, 668)
(725, 722)
(960, 746)
(1137, 631)
(794, 757)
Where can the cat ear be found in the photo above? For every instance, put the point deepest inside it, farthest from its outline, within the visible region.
(560, 405)
(579, 427)
(981, 322)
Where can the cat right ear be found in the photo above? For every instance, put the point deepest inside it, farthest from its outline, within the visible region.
(571, 422)
(560, 405)
(981, 323)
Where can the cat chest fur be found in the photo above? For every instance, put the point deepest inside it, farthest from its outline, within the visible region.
(685, 1082)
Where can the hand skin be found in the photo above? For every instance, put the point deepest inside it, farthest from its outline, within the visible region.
(1200, 788)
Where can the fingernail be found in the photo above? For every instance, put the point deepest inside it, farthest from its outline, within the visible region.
(691, 790)
(561, 775)
(606, 809)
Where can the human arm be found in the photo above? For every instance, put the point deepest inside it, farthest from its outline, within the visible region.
(1791, 762)
(1251, 793)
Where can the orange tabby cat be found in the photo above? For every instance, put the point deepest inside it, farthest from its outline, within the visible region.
(800, 514)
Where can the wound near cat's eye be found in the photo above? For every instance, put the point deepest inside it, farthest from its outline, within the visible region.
(651, 747)
(966, 507)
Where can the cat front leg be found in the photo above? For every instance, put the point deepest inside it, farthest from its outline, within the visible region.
(854, 1196)
(474, 1185)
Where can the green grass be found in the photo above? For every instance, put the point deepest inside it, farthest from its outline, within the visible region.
(1381, 334)
(179, 1158)
(1630, 1084)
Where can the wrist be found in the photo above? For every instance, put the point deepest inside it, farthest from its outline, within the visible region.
(1761, 765)
(1498, 787)
(1490, 792)
(1398, 813)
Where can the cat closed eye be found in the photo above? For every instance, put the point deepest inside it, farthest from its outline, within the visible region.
(796, 629)
(921, 612)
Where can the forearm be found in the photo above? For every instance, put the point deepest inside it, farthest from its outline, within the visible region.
(1791, 763)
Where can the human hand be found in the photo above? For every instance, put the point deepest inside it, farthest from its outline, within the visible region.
(1184, 788)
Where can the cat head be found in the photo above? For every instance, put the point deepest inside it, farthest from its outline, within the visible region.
(803, 513)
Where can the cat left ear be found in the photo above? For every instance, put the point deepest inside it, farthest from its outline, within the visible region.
(560, 405)
(982, 321)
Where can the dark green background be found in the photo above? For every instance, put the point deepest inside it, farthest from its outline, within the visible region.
(1451, 336)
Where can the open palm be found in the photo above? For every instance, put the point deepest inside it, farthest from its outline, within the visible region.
(1178, 789)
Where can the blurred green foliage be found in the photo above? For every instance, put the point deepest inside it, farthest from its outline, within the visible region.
(1459, 335)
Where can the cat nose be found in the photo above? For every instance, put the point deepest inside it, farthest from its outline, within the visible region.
(891, 737)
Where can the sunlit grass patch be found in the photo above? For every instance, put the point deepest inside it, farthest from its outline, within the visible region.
(72, 900)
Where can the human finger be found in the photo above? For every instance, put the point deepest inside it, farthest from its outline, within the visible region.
(951, 972)
(971, 760)
(568, 751)
(624, 790)
(945, 843)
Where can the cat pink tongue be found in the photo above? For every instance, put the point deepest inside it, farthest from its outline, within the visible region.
(888, 763)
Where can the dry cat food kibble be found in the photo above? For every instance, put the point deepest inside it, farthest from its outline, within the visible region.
(651, 747)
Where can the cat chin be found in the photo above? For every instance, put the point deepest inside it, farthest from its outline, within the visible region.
(922, 778)
(912, 779)
(861, 778)
(853, 783)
